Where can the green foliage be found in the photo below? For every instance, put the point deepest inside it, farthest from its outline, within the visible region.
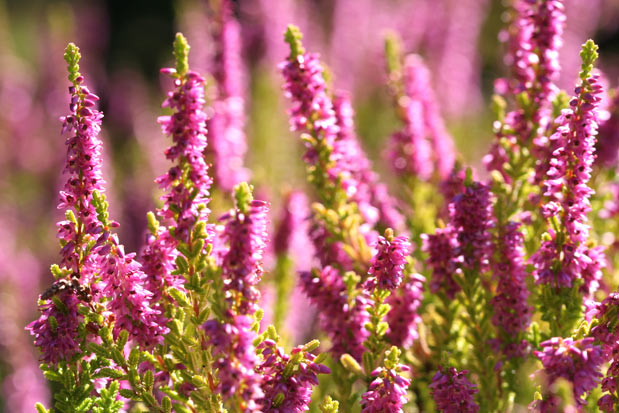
(328, 405)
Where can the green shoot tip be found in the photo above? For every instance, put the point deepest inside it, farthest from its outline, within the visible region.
(293, 37)
(181, 53)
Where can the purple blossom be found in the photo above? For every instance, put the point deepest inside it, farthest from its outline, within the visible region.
(387, 265)
(312, 109)
(340, 316)
(131, 303)
(512, 313)
(423, 145)
(287, 389)
(387, 392)
(471, 218)
(452, 391)
(181, 209)
(226, 126)
(83, 167)
(404, 317)
(157, 258)
(58, 339)
(566, 187)
(441, 248)
(607, 315)
(187, 126)
(578, 362)
(247, 235)
(235, 358)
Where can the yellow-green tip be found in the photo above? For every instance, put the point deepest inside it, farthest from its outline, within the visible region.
(393, 52)
(72, 57)
(293, 37)
(181, 53)
(588, 54)
(243, 197)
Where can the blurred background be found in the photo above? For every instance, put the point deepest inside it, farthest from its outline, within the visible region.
(125, 43)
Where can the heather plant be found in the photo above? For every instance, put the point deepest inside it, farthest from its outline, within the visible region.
(435, 286)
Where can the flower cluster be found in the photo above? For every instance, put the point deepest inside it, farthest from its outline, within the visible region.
(404, 316)
(441, 249)
(577, 361)
(387, 265)
(471, 218)
(246, 234)
(387, 392)
(452, 391)
(512, 313)
(567, 189)
(342, 317)
(288, 379)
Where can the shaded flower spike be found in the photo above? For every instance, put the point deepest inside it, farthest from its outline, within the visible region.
(354, 168)
(471, 218)
(441, 248)
(288, 379)
(235, 359)
(403, 317)
(56, 330)
(423, 145)
(246, 233)
(453, 392)
(388, 391)
(577, 361)
(512, 313)
(341, 317)
(387, 265)
(226, 126)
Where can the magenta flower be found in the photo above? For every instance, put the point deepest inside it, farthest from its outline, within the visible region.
(246, 234)
(471, 218)
(235, 358)
(83, 167)
(387, 265)
(441, 248)
(186, 200)
(288, 379)
(404, 316)
(512, 313)
(343, 321)
(312, 109)
(566, 186)
(452, 391)
(131, 303)
(387, 392)
(578, 362)
(187, 196)
(56, 330)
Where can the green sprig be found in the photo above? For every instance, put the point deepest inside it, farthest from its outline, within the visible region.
(293, 37)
